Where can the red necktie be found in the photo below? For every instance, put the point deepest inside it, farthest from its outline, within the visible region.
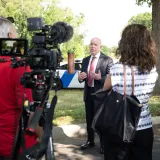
(91, 69)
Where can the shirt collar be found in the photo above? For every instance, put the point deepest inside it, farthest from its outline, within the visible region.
(97, 55)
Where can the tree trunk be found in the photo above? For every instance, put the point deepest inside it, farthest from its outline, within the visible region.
(156, 36)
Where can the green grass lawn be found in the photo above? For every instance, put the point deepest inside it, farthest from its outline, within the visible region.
(155, 105)
(70, 107)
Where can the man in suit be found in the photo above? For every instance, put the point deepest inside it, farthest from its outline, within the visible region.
(94, 71)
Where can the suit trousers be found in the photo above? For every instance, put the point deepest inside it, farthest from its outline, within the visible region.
(140, 149)
(90, 111)
(89, 108)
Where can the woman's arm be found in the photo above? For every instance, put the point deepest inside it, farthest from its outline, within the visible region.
(107, 83)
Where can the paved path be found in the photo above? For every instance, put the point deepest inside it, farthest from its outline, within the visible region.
(69, 150)
(156, 148)
(67, 141)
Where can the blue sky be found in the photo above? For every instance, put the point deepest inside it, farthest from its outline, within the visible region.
(105, 18)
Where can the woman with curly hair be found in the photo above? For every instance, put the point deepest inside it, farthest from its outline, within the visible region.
(137, 50)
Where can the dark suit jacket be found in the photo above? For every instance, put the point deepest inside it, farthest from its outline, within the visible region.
(104, 64)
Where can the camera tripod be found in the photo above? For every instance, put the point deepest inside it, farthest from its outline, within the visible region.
(49, 154)
(43, 115)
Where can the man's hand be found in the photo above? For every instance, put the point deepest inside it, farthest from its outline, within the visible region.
(82, 75)
(97, 76)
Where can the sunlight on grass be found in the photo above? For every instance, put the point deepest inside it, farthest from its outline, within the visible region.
(63, 120)
(154, 104)
(70, 107)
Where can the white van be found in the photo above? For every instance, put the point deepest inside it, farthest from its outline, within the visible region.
(70, 80)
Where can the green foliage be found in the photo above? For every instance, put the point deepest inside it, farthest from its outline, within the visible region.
(140, 2)
(68, 111)
(20, 10)
(109, 51)
(113, 49)
(155, 105)
(142, 18)
(105, 50)
(86, 50)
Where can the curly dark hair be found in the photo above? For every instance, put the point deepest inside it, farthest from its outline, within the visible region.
(137, 48)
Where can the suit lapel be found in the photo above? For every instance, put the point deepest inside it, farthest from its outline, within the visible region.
(99, 63)
(87, 63)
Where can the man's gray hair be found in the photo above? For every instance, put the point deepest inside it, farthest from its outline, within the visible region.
(5, 27)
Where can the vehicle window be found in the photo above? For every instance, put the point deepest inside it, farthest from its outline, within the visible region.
(78, 66)
(65, 66)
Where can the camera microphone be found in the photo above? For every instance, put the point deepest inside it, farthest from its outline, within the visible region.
(61, 32)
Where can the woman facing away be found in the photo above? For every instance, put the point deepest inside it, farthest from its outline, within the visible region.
(136, 48)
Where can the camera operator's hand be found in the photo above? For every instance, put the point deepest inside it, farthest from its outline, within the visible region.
(82, 75)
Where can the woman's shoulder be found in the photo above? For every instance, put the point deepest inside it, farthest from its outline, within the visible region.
(154, 72)
(116, 69)
(117, 65)
(154, 69)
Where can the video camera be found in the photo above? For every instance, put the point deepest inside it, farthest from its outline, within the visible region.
(45, 52)
(43, 57)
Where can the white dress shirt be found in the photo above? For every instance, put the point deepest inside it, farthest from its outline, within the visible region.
(96, 61)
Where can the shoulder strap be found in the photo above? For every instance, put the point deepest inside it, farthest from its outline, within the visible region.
(124, 70)
(132, 80)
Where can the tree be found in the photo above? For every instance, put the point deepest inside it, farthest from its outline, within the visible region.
(105, 50)
(142, 18)
(140, 2)
(20, 10)
(86, 50)
(113, 49)
(155, 32)
(76, 43)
